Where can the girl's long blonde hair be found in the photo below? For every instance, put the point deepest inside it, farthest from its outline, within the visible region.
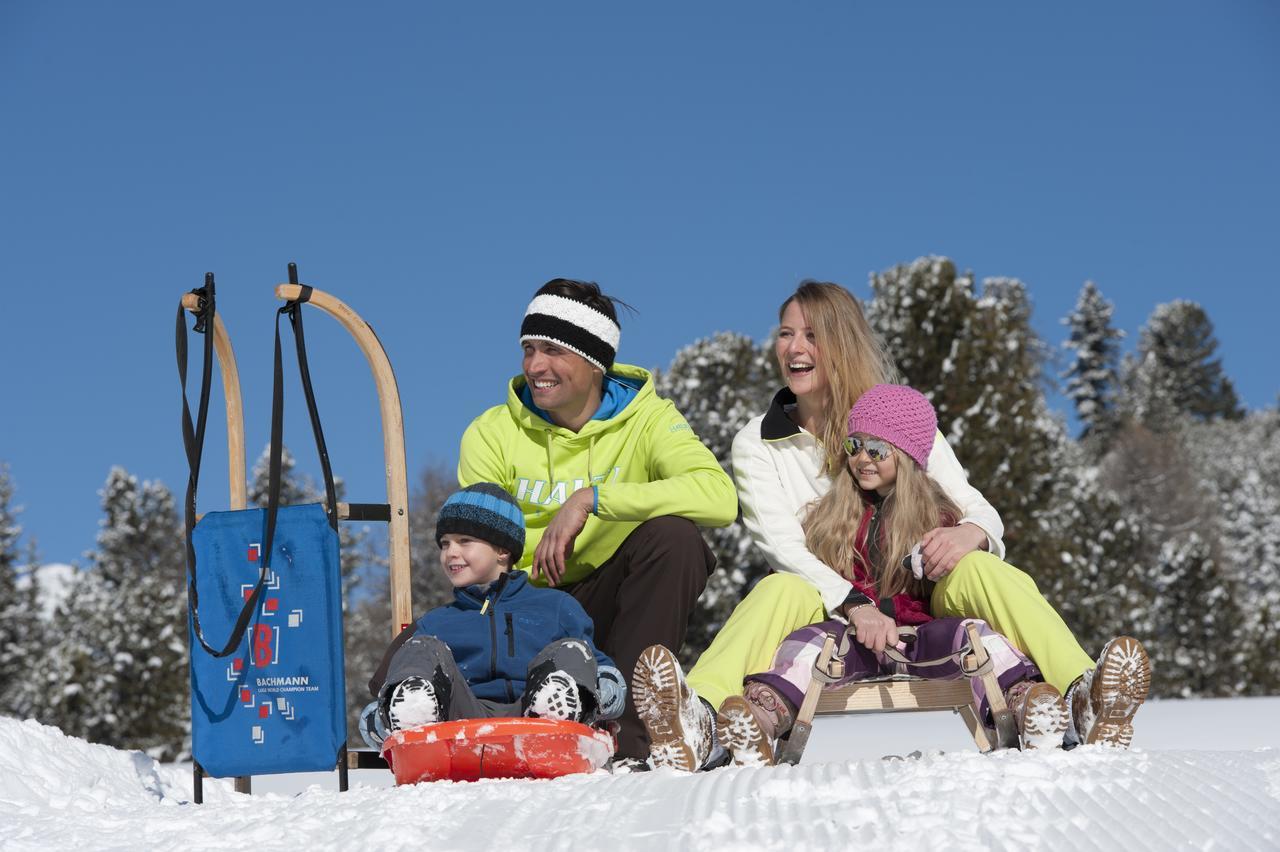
(915, 505)
(853, 358)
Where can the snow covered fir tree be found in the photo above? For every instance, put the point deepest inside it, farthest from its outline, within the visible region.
(1094, 371)
(1154, 510)
(718, 384)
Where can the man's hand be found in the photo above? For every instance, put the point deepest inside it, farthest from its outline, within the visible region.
(556, 545)
(874, 629)
(943, 547)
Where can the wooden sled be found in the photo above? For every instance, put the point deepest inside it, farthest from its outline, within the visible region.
(471, 749)
(394, 512)
(903, 694)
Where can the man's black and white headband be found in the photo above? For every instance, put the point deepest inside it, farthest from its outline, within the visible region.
(572, 325)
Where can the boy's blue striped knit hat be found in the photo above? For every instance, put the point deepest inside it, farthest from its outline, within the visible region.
(487, 512)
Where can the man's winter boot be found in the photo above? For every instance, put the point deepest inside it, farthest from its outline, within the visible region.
(556, 696)
(1040, 713)
(740, 733)
(1104, 700)
(681, 726)
(413, 702)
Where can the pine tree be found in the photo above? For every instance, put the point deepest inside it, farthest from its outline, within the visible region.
(294, 490)
(21, 630)
(1174, 373)
(981, 364)
(1238, 469)
(920, 311)
(118, 672)
(719, 383)
(1191, 634)
(1092, 376)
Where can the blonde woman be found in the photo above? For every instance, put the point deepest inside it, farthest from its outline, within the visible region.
(783, 461)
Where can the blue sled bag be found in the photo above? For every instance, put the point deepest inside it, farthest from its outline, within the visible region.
(270, 696)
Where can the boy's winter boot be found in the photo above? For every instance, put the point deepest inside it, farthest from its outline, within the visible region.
(1040, 713)
(413, 702)
(740, 733)
(556, 696)
(681, 726)
(1103, 701)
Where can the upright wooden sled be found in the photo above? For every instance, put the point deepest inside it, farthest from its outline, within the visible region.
(395, 512)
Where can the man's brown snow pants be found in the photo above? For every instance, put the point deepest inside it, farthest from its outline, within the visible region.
(644, 596)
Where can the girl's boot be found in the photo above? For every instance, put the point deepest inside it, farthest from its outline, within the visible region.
(746, 729)
(1040, 713)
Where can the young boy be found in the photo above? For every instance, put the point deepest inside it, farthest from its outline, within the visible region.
(503, 647)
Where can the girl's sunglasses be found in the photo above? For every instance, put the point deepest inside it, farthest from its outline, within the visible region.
(877, 450)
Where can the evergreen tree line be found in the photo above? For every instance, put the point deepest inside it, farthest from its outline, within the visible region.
(1160, 519)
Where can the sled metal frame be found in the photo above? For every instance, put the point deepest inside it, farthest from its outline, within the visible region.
(395, 512)
(902, 694)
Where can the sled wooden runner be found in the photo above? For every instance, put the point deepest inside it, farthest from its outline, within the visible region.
(239, 496)
(902, 694)
(396, 508)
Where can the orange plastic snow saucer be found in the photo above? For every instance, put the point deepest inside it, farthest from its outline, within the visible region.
(471, 749)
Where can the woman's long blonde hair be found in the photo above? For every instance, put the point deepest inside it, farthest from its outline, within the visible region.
(915, 505)
(853, 358)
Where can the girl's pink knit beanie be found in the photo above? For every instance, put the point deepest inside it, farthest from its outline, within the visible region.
(897, 414)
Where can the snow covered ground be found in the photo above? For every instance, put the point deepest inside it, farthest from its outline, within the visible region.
(1202, 775)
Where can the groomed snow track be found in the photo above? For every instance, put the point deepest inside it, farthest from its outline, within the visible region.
(58, 793)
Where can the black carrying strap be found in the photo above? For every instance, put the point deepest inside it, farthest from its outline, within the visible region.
(194, 440)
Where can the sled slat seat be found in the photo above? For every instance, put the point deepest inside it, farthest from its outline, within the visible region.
(895, 694)
(899, 694)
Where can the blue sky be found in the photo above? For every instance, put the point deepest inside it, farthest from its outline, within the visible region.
(432, 164)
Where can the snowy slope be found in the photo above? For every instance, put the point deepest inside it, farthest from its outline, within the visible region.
(60, 793)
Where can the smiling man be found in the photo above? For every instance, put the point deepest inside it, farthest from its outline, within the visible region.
(610, 478)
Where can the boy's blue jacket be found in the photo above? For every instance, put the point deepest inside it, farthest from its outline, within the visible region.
(493, 648)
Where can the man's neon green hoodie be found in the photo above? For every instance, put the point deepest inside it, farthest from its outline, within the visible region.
(638, 451)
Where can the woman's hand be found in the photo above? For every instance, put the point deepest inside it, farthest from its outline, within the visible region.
(943, 547)
(875, 630)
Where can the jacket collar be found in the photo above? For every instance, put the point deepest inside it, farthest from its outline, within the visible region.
(633, 390)
(776, 425)
(503, 588)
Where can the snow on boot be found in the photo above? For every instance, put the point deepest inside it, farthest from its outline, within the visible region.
(740, 733)
(628, 765)
(681, 727)
(1104, 700)
(1040, 713)
(413, 702)
(556, 697)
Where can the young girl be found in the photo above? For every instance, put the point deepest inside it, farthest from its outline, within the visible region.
(870, 522)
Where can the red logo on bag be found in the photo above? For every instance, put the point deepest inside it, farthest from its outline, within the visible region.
(237, 665)
(253, 553)
(264, 711)
(245, 696)
(262, 652)
(271, 605)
